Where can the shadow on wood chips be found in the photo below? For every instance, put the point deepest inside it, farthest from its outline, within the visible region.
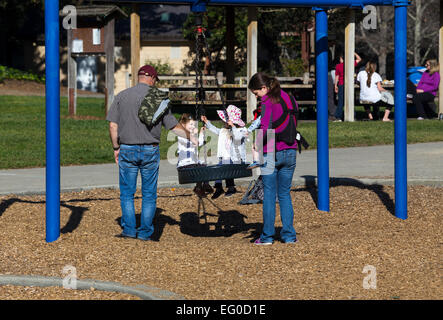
(206, 252)
(195, 224)
(385, 198)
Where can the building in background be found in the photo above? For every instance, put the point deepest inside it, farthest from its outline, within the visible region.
(161, 40)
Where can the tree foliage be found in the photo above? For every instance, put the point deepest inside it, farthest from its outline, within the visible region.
(277, 53)
(422, 33)
(11, 73)
(214, 23)
(273, 47)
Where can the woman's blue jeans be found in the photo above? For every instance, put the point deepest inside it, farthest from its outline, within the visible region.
(132, 159)
(277, 180)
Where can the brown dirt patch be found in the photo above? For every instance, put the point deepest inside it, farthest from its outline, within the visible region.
(31, 88)
(218, 261)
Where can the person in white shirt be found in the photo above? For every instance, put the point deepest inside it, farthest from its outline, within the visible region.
(231, 146)
(188, 153)
(371, 91)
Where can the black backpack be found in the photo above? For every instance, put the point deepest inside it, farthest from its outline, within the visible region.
(290, 133)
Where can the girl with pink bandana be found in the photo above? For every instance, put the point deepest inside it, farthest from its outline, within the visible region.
(231, 147)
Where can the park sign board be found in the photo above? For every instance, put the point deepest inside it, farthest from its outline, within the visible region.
(90, 33)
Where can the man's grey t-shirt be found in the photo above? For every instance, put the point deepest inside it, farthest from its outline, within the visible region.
(124, 112)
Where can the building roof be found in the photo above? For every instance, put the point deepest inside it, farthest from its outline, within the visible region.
(157, 23)
(97, 11)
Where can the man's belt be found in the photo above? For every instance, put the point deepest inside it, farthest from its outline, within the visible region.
(154, 144)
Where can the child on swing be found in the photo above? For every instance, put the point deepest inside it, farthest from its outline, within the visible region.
(231, 144)
(187, 152)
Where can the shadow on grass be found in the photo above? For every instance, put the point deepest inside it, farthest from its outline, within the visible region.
(385, 198)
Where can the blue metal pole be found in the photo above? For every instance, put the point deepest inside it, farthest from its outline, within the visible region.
(401, 180)
(52, 60)
(321, 80)
(320, 3)
(288, 3)
(198, 6)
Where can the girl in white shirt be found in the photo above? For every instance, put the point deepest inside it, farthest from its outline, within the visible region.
(372, 91)
(187, 152)
(231, 146)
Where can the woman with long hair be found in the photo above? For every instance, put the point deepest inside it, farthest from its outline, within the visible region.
(279, 158)
(372, 92)
(427, 88)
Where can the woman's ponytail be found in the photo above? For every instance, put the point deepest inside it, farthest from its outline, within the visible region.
(370, 69)
(274, 90)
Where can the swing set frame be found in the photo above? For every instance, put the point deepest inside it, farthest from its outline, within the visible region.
(52, 57)
(215, 172)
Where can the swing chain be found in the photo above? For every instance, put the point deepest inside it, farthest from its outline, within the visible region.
(199, 92)
(205, 42)
(216, 79)
(201, 43)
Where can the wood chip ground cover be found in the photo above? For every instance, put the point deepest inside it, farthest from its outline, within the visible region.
(10, 292)
(217, 260)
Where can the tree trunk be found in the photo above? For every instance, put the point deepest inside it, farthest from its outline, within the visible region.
(385, 34)
(417, 33)
(382, 62)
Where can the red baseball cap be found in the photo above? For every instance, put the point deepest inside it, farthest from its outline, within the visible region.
(148, 70)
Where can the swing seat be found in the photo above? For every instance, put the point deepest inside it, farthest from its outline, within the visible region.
(213, 173)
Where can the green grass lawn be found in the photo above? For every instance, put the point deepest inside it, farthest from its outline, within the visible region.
(86, 140)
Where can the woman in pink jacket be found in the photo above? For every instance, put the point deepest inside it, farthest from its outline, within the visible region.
(426, 90)
(279, 157)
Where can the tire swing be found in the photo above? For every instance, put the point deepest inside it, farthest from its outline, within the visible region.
(206, 173)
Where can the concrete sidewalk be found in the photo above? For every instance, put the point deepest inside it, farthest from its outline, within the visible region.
(368, 165)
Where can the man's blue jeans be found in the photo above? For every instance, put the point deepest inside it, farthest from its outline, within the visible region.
(277, 180)
(133, 158)
(340, 102)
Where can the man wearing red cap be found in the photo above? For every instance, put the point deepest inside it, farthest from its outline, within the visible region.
(136, 148)
(149, 72)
